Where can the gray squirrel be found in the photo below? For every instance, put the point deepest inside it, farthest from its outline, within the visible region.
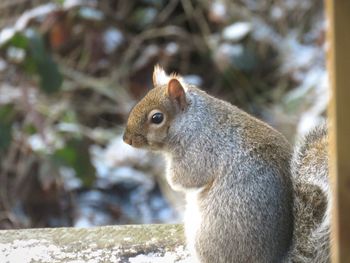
(312, 199)
(241, 187)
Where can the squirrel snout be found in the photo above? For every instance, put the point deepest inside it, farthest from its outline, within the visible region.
(127, 139)
(135, 140)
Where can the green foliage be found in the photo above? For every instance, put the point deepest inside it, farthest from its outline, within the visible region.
(75, 154)
(19, 41)
(6, 115)
(38, 60)
(50, 77)
(30, 129)
(60, 2)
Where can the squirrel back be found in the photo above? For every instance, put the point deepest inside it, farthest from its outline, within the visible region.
(312, 199)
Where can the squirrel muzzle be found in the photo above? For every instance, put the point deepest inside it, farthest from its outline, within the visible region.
(127, 139)
(135, 140)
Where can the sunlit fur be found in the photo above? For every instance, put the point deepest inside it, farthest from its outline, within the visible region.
(160, 78)
(143, 133)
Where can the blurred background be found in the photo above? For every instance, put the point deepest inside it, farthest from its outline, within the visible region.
(71, 70)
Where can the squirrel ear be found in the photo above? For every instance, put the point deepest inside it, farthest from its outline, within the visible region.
(159, 76)
(177, 93)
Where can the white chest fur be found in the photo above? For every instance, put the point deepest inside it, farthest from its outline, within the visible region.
(192, 216)
(192, 219)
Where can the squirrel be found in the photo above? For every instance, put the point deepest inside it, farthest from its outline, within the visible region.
(312, 199)
(234, 169)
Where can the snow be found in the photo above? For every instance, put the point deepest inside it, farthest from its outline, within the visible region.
(218, 11)
(264, 32)
(172, 48)
(89, 213)
(218, 8)
(8, 93)
(22, 22)
(90, 217)
(276, 12)
(127, 174)
(68, 127)
(6, 34)
(67, 4)
(296, 55)
(73, 3)
(226, 53)
(193, 79)
(70, 180)
(318, 81)
(91, 13)
(123, 165)
(236, 31)
(16, 54)
(305, 63)
(36, 12)
(302, 58)
(230, 50)
(119, 153)
(112, 39)
(51, 141)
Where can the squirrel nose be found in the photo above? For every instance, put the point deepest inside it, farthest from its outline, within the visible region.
(127, 139)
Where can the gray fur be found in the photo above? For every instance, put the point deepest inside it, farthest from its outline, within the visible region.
(312, 202)
(242, 166)
(245, 202)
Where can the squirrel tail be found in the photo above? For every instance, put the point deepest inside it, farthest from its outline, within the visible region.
(312, 199)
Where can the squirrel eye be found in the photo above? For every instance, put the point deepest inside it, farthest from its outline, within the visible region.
(157, 118)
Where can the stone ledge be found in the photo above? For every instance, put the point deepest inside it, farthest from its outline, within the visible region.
(128, 243)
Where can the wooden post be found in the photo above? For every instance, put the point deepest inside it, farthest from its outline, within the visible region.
(338, 17)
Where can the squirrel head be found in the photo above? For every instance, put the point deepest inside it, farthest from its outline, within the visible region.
(150, 119)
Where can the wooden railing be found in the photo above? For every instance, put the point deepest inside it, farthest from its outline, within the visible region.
(129, 243)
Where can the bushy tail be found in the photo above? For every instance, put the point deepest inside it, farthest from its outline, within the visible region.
(312, 199)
